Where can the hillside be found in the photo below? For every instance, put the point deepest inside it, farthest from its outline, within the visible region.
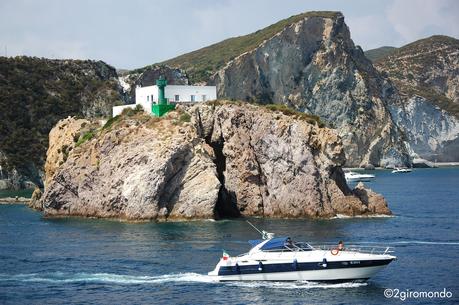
(378, 53)
(429, 68)
(36, 94)
(202, 63)
(426, 74)
(313, 66)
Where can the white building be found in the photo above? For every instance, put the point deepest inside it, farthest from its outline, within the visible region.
(175, 94)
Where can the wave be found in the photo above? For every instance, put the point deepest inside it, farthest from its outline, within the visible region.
(59, 277)
(343, 216)
(414, 242)
(110, 278)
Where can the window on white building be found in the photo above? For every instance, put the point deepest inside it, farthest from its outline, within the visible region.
(148, 98)
(204, 97)
(152, 97)
(177, 97)
(193, 98)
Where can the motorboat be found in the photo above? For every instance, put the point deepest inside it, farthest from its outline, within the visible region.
(282, 259)
(353, 176)
(401, 170)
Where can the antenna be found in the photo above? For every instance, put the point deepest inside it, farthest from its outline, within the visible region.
(264, 234)
(254, 227)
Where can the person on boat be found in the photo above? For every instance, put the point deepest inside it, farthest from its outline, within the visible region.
(340, 245)
(289, 243)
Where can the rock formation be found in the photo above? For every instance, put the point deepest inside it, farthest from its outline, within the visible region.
(35, 202)
(211, 160)
(426, 74)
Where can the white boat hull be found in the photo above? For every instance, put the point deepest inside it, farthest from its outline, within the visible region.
(345, 274)
(280, 259)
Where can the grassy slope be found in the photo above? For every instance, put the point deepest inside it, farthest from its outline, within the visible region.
(202, 63)
(378, 53)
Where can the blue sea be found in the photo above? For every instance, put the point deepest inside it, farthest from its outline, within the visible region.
(89, 261)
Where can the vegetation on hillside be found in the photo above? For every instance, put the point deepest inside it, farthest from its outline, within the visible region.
(423, 68)
(36, 93)
(378, 53)
(202, 63)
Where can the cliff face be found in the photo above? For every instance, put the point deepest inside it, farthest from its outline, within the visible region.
(426, 73)
(208, 161)
(35, 94)
(433, 133)
(312, 65)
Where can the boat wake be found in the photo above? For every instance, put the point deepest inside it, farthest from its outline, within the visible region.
(110, 278)
(417, 242)
(59, 277)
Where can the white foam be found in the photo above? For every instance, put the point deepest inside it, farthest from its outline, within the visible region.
(414, 242)
(62, 278)
(296, 285)
(343, 216)
(59, 277)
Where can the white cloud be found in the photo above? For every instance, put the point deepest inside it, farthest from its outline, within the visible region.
(415, 19)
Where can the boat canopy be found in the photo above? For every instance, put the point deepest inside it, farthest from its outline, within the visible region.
(276, 243)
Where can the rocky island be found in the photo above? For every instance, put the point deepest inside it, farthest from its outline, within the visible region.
(208, 161)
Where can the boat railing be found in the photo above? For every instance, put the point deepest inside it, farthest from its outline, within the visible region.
(356, 248)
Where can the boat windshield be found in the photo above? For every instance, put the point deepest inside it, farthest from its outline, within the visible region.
(284, 244)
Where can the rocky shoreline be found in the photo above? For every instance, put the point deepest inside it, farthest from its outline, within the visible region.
(209, 161)
(15, 200)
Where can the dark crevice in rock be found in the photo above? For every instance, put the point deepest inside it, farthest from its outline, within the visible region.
(337, 174)
(226, 206)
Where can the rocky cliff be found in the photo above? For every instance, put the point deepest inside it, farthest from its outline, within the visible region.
(426, 74)
(309, 63)
(212, 160)
(35, 94)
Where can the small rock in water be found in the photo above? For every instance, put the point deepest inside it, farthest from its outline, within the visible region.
(369, 167)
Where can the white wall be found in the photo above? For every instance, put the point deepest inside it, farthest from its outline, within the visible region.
(143, 94)
(185, 93)
(118, 109)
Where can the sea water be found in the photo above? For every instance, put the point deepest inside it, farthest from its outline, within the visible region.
(88, 261)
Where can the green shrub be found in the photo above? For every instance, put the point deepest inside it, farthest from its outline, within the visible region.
(185, 118)
(111, 121)
(86, 137)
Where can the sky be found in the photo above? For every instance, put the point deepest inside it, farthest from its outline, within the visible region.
(132, 34)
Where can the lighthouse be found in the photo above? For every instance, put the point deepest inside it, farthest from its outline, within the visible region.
(163, 106)
(161, 98)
